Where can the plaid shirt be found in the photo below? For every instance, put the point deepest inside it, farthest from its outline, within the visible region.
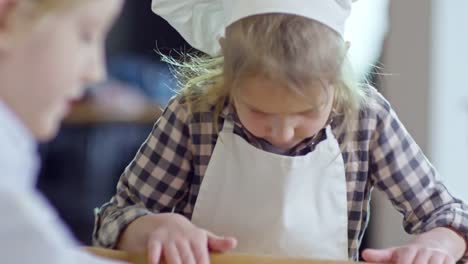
(167, 172)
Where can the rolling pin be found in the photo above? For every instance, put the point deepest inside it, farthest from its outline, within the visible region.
(140, 258)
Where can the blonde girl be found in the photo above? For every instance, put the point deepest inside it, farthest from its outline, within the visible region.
(272, 143)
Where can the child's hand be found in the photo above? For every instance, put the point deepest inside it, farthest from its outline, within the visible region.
(412, 253)
(439, 245)
(173, 237)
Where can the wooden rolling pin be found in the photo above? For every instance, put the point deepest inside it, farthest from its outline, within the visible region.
(215, 258)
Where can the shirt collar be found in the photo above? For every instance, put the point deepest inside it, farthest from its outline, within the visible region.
(18, 153)
(229, 112)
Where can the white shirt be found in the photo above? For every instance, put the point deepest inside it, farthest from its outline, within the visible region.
(30, 230)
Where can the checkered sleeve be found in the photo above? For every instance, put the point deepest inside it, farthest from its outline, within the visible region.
(399, 168)
(154, 181)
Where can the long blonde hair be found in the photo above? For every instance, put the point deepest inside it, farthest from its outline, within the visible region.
(44, 6)
(27, 12)
(290, 49)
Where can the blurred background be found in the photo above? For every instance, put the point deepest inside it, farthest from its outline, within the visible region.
(414, 52)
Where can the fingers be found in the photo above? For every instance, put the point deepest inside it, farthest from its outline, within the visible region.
(378, 255)
(200, 252)
(171, 253)
(178, 241)
(406, 255)
(437, 259)
(423, 256)
(154, 251)
(220, 244)
(185, 252)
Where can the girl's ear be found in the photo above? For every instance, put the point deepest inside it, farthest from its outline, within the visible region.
(7, 7)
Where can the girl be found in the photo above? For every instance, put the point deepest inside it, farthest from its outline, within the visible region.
(276, 145)
(49, 51)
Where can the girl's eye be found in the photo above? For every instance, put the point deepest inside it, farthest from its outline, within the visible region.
(258, 113)
(311, 113)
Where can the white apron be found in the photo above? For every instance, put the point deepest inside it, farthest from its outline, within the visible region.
(273, 204)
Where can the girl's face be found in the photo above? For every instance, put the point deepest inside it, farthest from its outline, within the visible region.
(283, 118)
(44, 71)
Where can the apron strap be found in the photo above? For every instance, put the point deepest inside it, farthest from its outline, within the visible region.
(328, 131)
(332, 140)
(228, 126)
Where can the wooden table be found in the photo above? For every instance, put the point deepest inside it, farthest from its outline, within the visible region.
(215, 258)
(91, 113)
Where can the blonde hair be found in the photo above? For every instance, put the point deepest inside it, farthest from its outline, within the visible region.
(290, 49)
(27, 12)
(41, 7)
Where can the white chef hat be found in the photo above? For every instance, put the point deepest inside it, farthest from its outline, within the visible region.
(202, 22)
